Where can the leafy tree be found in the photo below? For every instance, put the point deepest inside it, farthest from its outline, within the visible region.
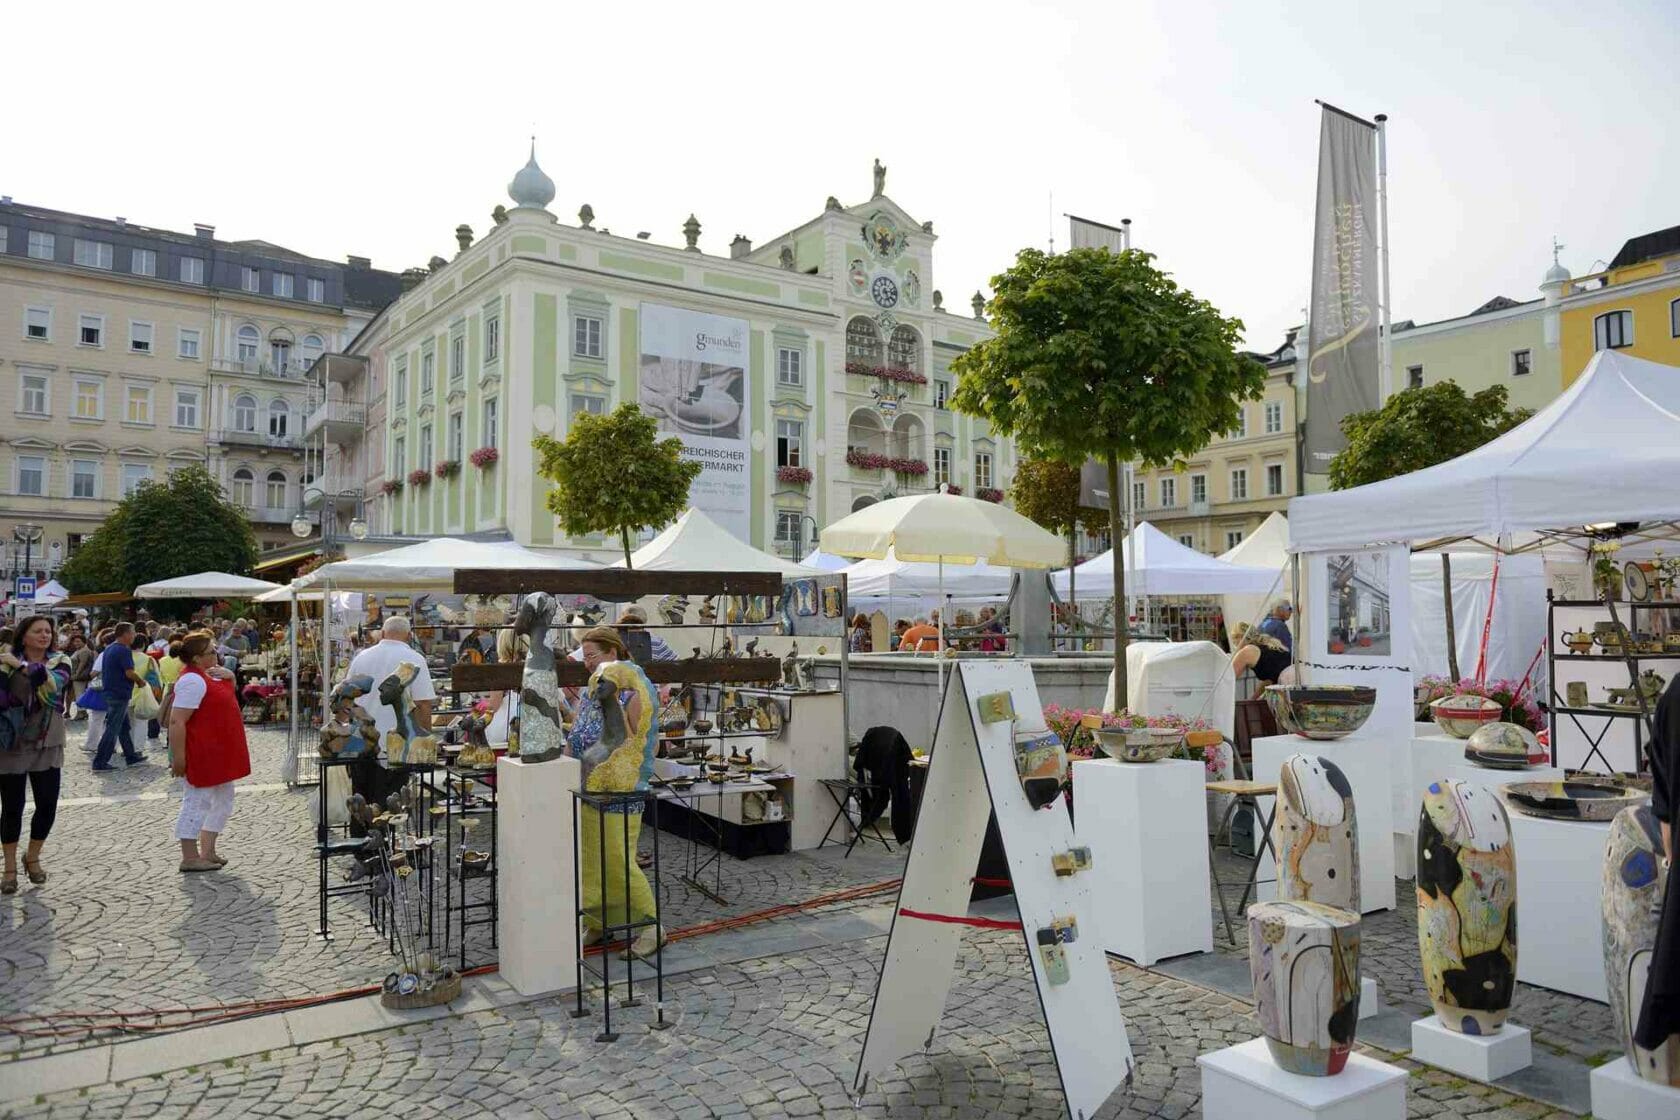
(98, 563)
(1102, 354)
(1047, 491)
(1417, 428)
(163, 530)
(614, 474)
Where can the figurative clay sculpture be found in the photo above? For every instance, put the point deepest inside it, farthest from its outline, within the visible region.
(1631, 898)
(790, 668)
(1041, 763)
(673, 609)
(352, 733)
(622, 759)
(477, 754)
(1459, 716)
(1467, 906)
(1501, 746)
(540, 737)
(405, 744)
(1323, 711)
(1316, 834)
(1304, 960)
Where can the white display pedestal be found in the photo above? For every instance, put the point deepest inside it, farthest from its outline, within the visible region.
(1363, 759)
(1479, 1057)
(1618, 1093)
(1437, 757)
(1370, 998)
(536, 908)
(1560, 870)
(1145, 826)
(1242, 1081)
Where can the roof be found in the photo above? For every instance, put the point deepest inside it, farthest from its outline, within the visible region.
(1497, 303)
(372, 288)
(1649, 246)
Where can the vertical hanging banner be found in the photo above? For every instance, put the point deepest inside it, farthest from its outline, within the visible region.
(1342, 369)
(694, 382)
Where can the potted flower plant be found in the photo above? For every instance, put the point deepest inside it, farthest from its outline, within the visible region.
(797, 476)
(391, 486)
(1607, 577)
(447, 468)
(484, 458)
(420, 477)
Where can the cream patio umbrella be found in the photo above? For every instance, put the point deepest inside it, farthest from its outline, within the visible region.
(944, 529)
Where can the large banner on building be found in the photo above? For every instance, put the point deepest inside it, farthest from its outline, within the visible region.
(1342, 375)
(694, 382)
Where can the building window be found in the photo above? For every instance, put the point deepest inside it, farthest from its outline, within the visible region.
(93, 254)
(186, 342)
(1198, 489)
(790, 436)
(904, 349)
(32, 394)
(1274, 479)
(89, 401)
(93, 331)
(586, 336)
(244, 487)
(941, 393)
(428, 366)
(84, 478)
(250, 279)
(1241, 429)
(399, 455)
(789, 526)
(1274, 417)
(1520, 363)
(186, 408)
(244, 413)
(37, 324)
(311, 348)
(1414, 377)
(32, 475)
(41, 245)
(492, 338)
(282, 283)
(1233, 537)
(279, 418)
(401, 386)
(280, 354)
(456, 437)
(790, 366)
(1674, 319)
(133, 474)
(492, 430)
(140, 337)
(1613, 330)
(577, 403)
(142, 262)
(863, 343)
(317, 290)
(138, 409)
(246, 343)
(275, 489)
(1187, 540)
(457, 358)
(1239, 484)
(982, 470)
(941, 466)
(1139, 494)
(192, 270)
(1169, 493)
(425, 447)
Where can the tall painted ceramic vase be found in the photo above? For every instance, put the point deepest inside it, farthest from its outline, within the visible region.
(1467, 906)
(1631, 899)
(1316, 834)
(1304, 960)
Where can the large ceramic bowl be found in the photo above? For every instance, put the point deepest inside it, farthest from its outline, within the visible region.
(1578, 799)
(1501, 746)
(1321, 711)
(1459, 716)
(1137, 744)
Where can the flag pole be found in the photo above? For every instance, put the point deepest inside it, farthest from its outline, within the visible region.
(1385, 348)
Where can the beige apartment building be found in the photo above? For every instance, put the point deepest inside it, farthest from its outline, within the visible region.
(127, 352)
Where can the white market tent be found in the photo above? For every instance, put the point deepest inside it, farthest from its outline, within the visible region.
(430, 565)
(285, 594)
(696, 543)
(1158, 565)
(826, 561)
(1267, 547)
(50, 593)
(893, 578)
(205, 585)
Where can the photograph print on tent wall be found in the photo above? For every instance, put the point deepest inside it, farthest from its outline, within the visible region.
(1357, 609)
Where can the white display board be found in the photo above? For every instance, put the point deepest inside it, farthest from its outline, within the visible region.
(972, 774)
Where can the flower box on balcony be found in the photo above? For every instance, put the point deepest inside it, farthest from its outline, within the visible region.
(886, 373)
(797, 475)
(909, 468)
(391, 486)
(952, 489)
(867, 460)
(447, 468)
(989, 494)
(420, 478)
(484, 457)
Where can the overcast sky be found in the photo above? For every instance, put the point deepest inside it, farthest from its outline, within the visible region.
(332, 129)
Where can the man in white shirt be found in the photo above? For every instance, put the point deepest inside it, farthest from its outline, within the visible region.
(369, 776)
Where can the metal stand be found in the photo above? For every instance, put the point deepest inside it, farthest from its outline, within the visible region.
(603, 804)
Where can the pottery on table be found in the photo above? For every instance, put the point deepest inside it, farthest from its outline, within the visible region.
(1501, 746)
(1467, 906)
(1136, 744)
(1459, 716)
(1316, 834)
(1578, 641)
(1304, 961)
(1630, 900)
(1576, 799)
(1322, 711)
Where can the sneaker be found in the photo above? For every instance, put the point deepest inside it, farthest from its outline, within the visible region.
(136, 760)
(647, 943)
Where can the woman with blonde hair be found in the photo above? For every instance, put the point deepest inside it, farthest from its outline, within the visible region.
(207, 750)
(511, 649)
(1258, 651)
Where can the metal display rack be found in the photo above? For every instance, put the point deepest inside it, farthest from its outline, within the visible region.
(1642, 730)
(646, 803)
(467, 796)
(333, 841)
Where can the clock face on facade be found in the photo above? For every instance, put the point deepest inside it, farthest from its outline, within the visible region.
(884, 291)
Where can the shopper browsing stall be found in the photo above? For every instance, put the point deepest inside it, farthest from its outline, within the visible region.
(1264, 655)
(207, 750)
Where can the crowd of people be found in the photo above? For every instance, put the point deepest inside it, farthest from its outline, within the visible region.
(967, 631)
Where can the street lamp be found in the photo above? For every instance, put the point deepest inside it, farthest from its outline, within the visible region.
(28, 536)
(301, 523)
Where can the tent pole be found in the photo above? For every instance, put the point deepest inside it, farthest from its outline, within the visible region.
(940, 652)
(845, 664)
(293, 747)
(1300, 627)
(1452, 622)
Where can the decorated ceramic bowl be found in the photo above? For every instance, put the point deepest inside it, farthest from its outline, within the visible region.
(1459, 716)
(1137, 744)
(1578, 799)
(1321, 711)
(1501, 746)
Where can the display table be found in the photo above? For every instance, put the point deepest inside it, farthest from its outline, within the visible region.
(1436, 757)
(1618, 1093)
(1560, 869)
(1243, 1081)
(1363, 758)
(1477, 1056)
(535, 829)
(1145, 826)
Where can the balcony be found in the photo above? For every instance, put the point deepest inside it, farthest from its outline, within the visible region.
(293, 369)
(344, 422)
(1198, 509)
(270, 515)
(343, 498)
(235, 437)
(339, 369)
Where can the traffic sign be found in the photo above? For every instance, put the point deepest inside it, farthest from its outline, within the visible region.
(26, 588)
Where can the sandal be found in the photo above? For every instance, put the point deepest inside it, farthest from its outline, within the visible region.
(219, 861)
(32, 868)
(189, 865)
(8, 883)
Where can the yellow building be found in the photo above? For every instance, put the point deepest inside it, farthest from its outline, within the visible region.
(1502, 342)
(1633, 305)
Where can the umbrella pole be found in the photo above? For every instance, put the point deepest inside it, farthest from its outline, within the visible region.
(941, 651)
(293, 747)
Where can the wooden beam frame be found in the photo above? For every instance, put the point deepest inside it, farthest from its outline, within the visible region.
(613, 583)
(709, 670)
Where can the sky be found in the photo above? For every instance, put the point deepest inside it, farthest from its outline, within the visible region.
(376, 129)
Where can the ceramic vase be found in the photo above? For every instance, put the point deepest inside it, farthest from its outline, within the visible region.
(1304, 960)
(1631, 898)
(1315, 834)
(1467, 906)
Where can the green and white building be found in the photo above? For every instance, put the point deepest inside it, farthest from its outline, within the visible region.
(824, 350)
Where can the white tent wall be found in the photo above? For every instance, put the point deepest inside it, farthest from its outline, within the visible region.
(1519, 616)
(1266, 547)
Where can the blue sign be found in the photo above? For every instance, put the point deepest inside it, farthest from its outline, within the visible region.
(26, 587)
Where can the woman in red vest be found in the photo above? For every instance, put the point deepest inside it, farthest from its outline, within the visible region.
(206, 749)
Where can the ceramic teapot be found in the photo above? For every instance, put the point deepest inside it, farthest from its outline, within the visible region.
(1610, 639)
(1579, 641)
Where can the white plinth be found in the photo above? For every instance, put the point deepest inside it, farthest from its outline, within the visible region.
(1146, 827)
(1370, 998)
(536, 908)
(1436, 757)
(1364, 759)
(1618, 1093)
(1479, 1057)
(1242, 1081)
(1560, 869)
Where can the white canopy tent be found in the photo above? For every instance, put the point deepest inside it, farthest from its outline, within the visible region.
(1267, 547)
(205, 585)
(893, 578)
(430, 565)
(1162, 566)
(286, 594)
(50, 593)
(696, 543)
(826, 561)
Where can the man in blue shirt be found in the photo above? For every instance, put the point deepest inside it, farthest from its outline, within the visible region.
(117, 682)
(1276, 624)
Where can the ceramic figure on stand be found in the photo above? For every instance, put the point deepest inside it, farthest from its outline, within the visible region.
(1316, 834)
(1631, 899)
(540, 737)
(1467, 906)
(1304, 960)
(404, 744)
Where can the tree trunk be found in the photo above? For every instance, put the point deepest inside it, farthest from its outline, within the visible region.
(624, 538)
(1121, 622)
(1452, 623)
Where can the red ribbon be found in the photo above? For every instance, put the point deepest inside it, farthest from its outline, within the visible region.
(950, 919)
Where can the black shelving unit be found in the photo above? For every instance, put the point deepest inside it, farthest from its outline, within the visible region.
(644, 802)
(333, 841)
(474, 903)
(1611, 610)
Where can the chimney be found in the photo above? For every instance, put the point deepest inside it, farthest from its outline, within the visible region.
(1125, 233)
(204, 231)
(464, 236)
(412, 277)
(359, 262)
(739, 247)
(121, 221)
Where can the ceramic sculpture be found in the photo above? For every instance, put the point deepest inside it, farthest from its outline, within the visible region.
(1501, 746)
(1138, 744)
(1316, 834)
(405, 745)
(1304, 959)
(1459, 716)
(1467, 906)
(1630, 899)
(540, 738)
(1324, 711)
(1581, 798)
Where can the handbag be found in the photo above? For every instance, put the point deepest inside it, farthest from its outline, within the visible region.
(144, 702)
(11, 729)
